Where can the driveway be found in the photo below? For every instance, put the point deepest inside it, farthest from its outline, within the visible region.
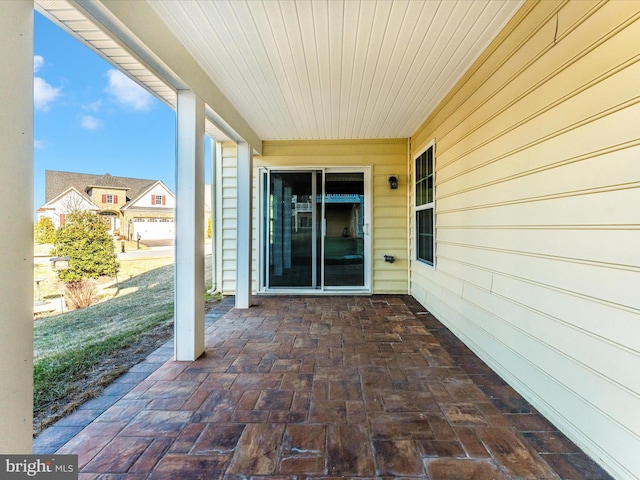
(153, 252)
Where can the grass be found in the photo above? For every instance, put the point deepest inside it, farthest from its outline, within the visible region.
(139, 301)
(49, 286)
(72, 349)
(42, 249)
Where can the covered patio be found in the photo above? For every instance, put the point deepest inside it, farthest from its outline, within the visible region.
(317, 387)
(511, 129)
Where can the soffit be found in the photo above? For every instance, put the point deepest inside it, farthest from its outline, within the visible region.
(326, 69)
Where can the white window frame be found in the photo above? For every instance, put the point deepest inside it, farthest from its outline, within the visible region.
(109, 198)
(426, 206)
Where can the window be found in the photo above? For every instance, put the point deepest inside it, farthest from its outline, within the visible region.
(424, 207)
(158, 200)
(108, 198)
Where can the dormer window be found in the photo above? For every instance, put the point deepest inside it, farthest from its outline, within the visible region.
(109, 198)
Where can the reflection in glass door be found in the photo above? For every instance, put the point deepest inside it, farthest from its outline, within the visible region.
(314, 230)
(292, 230)
(344, 230)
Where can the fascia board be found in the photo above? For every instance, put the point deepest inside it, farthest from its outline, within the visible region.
(60, 196)
(132, 204)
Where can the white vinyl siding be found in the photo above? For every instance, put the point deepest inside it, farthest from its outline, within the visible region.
(538, 194)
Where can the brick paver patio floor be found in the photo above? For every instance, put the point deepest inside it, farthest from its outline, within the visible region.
(317, 387)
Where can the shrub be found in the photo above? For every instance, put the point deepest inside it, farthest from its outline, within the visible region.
(44, 231)
(85, 239)
(81, 293)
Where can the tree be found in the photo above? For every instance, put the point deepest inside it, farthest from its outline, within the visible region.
(44, 231)
(85, 239)
(209, 228)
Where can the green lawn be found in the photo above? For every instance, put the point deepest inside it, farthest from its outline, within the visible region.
(70, 349)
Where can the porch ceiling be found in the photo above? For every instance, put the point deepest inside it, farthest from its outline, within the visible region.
(319, 69)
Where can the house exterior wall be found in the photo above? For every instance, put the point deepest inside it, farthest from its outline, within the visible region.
(537, 201)
(146, 199)
(98, 192)
(389, 207)
(67, 204)
(228, 219)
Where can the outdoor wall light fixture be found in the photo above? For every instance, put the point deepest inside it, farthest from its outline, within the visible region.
(389, 258)
(393, 182)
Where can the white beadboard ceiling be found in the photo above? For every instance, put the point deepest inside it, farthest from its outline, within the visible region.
(321, 69)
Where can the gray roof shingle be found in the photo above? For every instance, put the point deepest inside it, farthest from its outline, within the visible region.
(56, 182)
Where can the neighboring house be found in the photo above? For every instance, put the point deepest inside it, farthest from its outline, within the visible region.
(129, 206)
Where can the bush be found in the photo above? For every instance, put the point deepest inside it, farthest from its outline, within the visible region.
(81, 293)
(44, 231)
(85, 239)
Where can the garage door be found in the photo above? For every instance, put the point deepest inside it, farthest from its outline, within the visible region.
(154, 228)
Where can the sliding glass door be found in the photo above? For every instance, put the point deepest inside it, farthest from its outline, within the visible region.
(314, 225)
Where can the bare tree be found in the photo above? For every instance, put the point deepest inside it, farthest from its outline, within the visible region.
(73, 203)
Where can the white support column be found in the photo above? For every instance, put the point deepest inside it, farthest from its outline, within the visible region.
(244, 230)
(215, 158)
(16, 218)
(189, 249)
(218, 224)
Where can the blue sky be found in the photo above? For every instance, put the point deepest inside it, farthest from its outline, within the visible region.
(90, 118)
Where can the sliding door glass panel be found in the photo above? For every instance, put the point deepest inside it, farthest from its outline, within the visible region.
(291, 230)
(344, 230)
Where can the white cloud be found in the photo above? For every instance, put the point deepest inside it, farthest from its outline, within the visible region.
(93, 107)
(38, 62)
(90, 122)
(127, 92)
(44, 94)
